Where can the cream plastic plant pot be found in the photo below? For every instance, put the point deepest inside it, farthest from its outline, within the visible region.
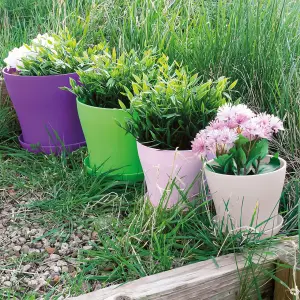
(162, 167)
(251, 200)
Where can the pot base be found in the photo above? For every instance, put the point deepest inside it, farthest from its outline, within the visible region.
(34, 148)
(265, 234)
(121, 177)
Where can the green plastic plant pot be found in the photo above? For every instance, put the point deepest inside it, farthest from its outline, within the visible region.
(110, 148)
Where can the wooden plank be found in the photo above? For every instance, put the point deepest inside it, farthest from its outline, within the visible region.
(280, 291)
(289, 277)
(200, 281)
(294, 281)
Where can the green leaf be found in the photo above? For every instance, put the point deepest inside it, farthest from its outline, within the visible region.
(240, 157)
(215, 169)
(135, 88)
(259, 151)
(242, 140)
(229, 166)
(110, 83)
(119, 123)
(222, 160)
(227, 95)
(137, 78)
(153, 135)
(272, 166)
(232, 85)
(122, 105)
(168, 116)
(128, 93)
(234, 167)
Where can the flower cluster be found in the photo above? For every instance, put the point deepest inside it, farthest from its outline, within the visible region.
(231, 121)
(14, 59)
(44, 40)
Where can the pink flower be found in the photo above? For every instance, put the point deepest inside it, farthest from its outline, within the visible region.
(213, 135)
(216, 124)
(269, 123)
(225, 112)
(199, 144)
(276, 124)
(227, 137)
(210, 141)
(242, 109)
(232, 124)
(211, 146)
(263, 119)
(250, 130)
(221, 134)
(240, 119)
(253, 130)
(235, 115)
(221, 139)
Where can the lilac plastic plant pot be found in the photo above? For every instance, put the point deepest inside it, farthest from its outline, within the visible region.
(47, 115)
(252, 201)
(162, 167)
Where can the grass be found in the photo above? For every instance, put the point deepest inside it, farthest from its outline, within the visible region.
(135, 240)
(255, 41)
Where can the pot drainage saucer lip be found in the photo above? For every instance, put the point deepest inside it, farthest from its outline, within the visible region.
(275, 229)
(135, 177)
(265, 234)
(35, 148)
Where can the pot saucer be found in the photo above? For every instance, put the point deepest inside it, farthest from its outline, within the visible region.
(265, 233)
(36, 148)
(136, 177)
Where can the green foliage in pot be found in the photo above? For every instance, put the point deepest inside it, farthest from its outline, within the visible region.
(103, 84)
(168, 113)
(52, 55)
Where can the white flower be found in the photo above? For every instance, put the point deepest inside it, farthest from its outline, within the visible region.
(44, 40)
(14, 59)
(11, 59)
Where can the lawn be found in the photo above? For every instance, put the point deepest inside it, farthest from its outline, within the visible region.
(64, 232)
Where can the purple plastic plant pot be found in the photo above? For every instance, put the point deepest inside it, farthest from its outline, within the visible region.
(47, 115)
(163, 167)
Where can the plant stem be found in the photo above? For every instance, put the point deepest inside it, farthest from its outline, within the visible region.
(257, 166)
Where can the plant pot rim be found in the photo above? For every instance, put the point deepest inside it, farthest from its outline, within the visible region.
(6, 72)
(97, 107)
(162, 150)
(282, 161)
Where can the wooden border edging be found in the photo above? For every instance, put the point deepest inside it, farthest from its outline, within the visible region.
(207, 280)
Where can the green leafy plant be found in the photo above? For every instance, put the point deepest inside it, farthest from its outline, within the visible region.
(240, 141)
(168, 113)
(103, 84)
(52, 55)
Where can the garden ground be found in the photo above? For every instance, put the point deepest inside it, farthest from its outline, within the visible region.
(64, 232)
